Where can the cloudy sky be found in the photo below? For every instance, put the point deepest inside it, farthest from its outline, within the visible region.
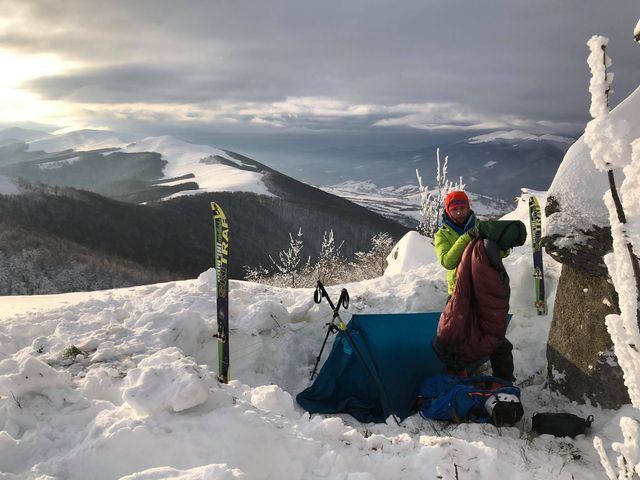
(270, 66)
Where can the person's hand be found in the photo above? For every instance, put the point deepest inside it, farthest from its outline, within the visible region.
(473, 232)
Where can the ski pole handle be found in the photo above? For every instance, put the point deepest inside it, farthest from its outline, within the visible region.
(317, 295)
(344, 299)
(321, 292)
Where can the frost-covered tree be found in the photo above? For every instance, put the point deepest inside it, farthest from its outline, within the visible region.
(607, 139)
(373, 263)
(290, 260)
(330, 262)
(331, 268)
(432, 202)
(256, 274)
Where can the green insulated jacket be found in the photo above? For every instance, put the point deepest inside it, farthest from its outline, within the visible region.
(449, 248)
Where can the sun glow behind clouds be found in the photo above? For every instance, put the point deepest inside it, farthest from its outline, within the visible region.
(17, 103)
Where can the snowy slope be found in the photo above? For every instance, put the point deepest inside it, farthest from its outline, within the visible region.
(182, 159)
(581, 194)
(22, 135)
(186, 158)
(138, 397)
(81, 140)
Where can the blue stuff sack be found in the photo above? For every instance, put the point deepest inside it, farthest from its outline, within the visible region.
(479, 399)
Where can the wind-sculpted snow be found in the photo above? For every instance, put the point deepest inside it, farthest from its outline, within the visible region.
(579, 187)
(122, 384)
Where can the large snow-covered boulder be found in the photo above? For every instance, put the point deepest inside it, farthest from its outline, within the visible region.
(580, 356)
(577, 229)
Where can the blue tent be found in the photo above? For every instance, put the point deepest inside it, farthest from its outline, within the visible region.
(397, 350)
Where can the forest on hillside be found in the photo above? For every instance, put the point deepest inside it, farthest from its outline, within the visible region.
(59, 239)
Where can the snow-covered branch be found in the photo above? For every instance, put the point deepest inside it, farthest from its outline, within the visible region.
(290, 259)
(431, 203)
(610, 148)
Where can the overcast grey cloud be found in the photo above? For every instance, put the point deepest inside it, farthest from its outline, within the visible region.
(349, 64)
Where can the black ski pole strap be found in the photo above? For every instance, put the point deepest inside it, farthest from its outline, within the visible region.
(344, 299)
(317, 295)
(320, 293)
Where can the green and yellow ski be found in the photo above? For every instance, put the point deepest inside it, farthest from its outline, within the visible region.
(535, 217)
(221, 262)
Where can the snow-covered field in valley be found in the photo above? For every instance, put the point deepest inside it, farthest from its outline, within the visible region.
(122, 384)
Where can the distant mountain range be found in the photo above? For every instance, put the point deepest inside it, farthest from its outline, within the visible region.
(57, 238)
(495, 164)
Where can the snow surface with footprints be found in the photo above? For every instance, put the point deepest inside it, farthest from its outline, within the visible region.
(122, 384)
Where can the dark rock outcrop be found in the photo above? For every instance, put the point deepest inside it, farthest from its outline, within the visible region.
(580, 358)
(581, 363)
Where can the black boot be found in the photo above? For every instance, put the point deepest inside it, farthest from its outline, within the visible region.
(502, 361)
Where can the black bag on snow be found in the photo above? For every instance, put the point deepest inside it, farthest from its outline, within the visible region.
(560, 424)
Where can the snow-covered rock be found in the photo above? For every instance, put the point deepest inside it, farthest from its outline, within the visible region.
(411, 252)
(578, 187)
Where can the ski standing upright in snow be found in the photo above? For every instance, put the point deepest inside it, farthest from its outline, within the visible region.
(535, 218)
(221, 261)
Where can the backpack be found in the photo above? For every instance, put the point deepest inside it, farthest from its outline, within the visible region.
(479, 399)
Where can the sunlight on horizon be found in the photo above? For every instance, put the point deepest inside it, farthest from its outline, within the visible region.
(19, 104)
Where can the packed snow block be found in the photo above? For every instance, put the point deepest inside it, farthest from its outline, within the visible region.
(395, 349)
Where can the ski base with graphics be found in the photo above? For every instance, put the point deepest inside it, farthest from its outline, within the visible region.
(535, 217)
(221, 261)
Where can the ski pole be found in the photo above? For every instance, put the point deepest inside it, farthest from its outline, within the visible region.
(344, 302)
(331, 326)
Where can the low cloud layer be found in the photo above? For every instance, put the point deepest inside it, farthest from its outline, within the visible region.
(324, 65)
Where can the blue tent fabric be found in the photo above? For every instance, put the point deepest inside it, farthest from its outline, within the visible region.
(396, 348)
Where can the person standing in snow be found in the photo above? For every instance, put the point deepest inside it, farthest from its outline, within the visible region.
(459, 228)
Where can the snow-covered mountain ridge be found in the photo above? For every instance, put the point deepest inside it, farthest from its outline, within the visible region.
(519, 135)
